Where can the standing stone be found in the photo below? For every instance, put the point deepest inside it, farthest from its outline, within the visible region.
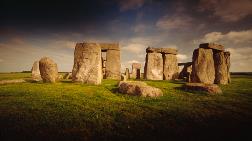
(203, 66)
(48, 70)
(113, 64)
(170, 67)
(127, 73)
(227, 59)
(221, 72)
(136, 70)
(154, 66)
(35, 71)
(87, 63)
(186, 71)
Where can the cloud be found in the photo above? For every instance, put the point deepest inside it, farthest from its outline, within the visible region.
(134, 48)
(241, 59)
(232, 36)
(130, 4)
(227, 10)
(1, 60)
(181, 57)
(177, 21)
(139, 28)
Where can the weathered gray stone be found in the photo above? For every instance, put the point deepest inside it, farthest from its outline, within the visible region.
(87, 63)
(203, 70)
(162, 50)
(170, 67)
(212, 46)
(136, 70)
(186, 72)
(127, 73)
(124, 77)
(109, 46)
(153, 66)
(68, 75)
(35, 71)
(227, 59)
(48, 70)
(139, 89)
(113, 65)
(209, 88)
(221, 68)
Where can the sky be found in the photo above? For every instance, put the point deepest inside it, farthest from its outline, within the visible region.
(30, 30)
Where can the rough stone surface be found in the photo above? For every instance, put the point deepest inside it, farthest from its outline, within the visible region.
(227, 59)
(68, 75)
(35, 71)
(127, 73)
(209, 88)
(48, 70)
(123, 77)
(109, 46)
(212, 46)
(186, 72)
(136, 70)
(221, 68)
(170, 67)
(153, 66)
(162, 50)
(139, 89)
(113, 65)
(203, 70)
(87, 63)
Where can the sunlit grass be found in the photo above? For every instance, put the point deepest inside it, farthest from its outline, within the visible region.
(69, 111)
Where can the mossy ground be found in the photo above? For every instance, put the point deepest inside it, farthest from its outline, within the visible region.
(72, 111)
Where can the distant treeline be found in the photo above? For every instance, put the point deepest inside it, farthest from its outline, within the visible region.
(241, 73)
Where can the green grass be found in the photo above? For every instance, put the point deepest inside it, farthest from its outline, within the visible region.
(71, 111)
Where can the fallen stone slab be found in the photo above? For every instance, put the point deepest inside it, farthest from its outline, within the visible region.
(209, 88)
(12, 81)
(139, 89)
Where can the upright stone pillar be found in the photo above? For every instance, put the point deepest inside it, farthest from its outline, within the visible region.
(48, 70)
(203, 70)
(170, 63)
(113, 64)
(136, 70)
(87, 63)
(227, 59)
(35, 71)
(221, 68)
(127, 74)
(154, 66)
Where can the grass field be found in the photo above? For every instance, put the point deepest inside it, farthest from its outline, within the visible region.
(70, 111)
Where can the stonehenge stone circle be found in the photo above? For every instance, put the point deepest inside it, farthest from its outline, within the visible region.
(87, 63)
(35, 71)
(48, 70)
(210, 64)
(136, 70)
(161, 64)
